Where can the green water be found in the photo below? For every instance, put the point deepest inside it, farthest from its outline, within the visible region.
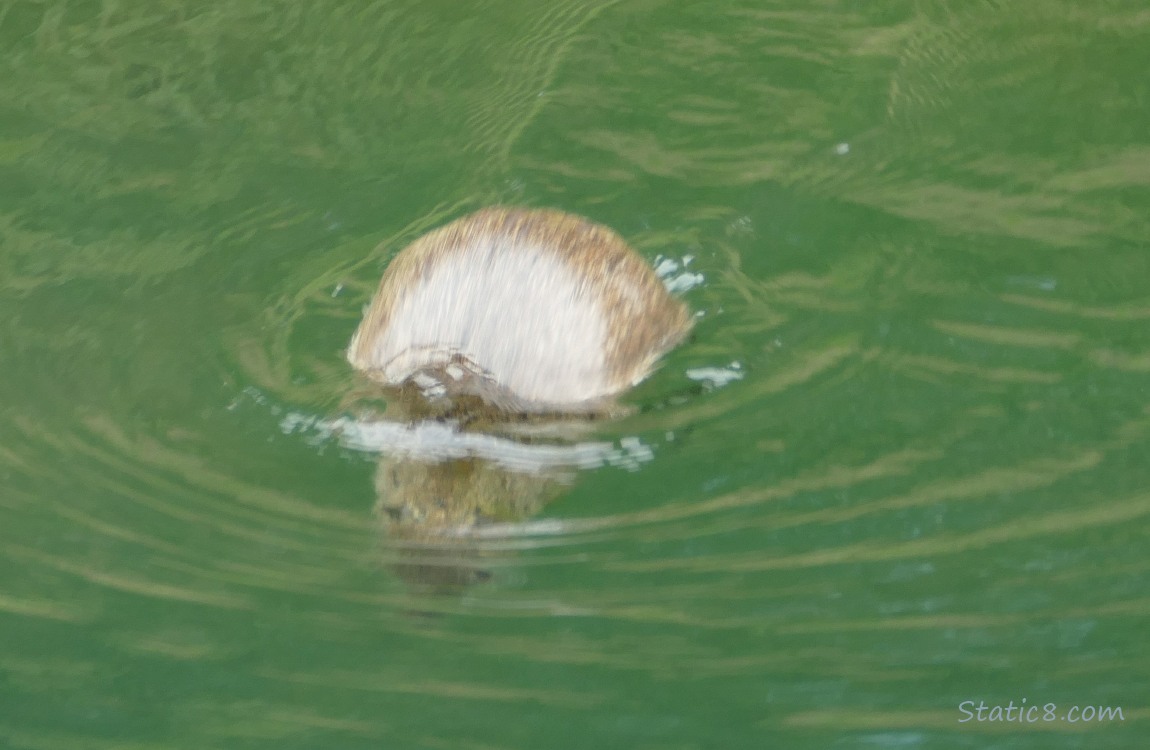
(923, 240)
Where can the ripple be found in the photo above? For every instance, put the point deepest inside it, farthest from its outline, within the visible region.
(904, 450)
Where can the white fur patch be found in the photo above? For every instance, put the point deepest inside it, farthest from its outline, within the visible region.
(517, 312)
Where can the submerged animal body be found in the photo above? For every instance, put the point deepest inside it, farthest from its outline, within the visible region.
(529, 311)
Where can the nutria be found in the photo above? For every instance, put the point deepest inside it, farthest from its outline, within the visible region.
(529, 311)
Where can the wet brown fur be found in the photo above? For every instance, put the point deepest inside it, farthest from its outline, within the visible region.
(643, 319)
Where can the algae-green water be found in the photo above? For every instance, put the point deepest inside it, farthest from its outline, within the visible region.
(901, 470)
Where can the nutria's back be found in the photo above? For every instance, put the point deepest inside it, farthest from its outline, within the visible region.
(532, 310)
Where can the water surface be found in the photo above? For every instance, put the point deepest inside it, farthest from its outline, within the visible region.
(901, 465)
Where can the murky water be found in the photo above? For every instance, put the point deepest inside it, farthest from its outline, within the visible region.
(902, 463)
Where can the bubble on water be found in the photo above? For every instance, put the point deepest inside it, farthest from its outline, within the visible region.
(675, 276)
(716, 377)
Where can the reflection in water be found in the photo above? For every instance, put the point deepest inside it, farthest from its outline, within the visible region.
(452, 500)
